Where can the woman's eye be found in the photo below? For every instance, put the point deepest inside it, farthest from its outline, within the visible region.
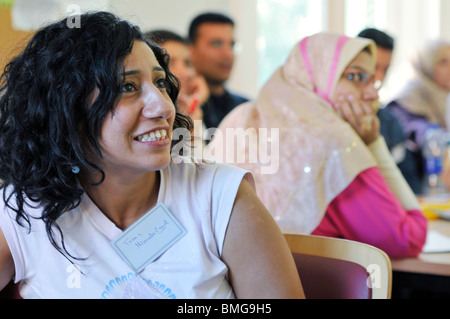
(350, 76)
(129, 87)
(443, 61)
(361, 77)
(162, 84)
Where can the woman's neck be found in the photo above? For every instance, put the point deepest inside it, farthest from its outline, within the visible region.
(125, 201)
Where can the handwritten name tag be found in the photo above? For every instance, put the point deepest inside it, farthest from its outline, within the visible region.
(148, 238)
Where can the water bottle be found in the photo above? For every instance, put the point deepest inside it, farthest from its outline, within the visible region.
(434, 149)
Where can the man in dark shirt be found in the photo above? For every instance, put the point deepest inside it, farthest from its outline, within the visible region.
(212, 42)
(390, 126)
(218, 106)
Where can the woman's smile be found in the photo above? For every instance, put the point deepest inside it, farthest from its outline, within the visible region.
(157, 135)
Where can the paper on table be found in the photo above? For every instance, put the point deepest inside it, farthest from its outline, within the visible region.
(436, 243)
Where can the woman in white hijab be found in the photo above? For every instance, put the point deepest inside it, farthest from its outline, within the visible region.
(335, 176)
(422, 104)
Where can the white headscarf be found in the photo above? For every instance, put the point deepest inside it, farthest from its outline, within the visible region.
(421, 95)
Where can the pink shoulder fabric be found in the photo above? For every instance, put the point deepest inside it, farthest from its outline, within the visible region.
(368, 212)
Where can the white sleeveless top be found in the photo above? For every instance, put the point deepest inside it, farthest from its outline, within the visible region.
(199, 196)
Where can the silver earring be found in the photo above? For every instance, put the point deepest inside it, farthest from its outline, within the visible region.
(75, 169)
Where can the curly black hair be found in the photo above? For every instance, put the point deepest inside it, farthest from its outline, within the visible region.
(48, 121)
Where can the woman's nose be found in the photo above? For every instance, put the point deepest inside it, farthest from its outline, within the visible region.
(157, 105)
(370, 93)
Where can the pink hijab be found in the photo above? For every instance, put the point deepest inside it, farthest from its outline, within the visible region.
(319, 153)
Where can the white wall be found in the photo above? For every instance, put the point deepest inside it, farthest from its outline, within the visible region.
(411, 23)
(174, 15)
(445, 20)
(244, 79)
(335, 16)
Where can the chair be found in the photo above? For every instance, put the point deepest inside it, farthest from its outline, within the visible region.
(332, 268)
(11, 291)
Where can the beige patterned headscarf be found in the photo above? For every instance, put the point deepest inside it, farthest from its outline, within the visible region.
(421, 95)
(319, 153)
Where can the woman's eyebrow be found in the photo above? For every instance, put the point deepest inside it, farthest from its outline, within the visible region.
(158, 69)
(132, 72)
(358, 68)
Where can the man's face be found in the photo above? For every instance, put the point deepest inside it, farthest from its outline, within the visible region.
(384, 58)
(212, 53)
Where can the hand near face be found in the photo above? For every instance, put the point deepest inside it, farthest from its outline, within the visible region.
(192, 97)
(356, 95)
(189, 105)
(199, 87)
(361, 115)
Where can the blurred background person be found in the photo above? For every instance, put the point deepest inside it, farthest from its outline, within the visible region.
(422, 105)
(385, 49)
(390, 127)
(212, 44)
(193, 91)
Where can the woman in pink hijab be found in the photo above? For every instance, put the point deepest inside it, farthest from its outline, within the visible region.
(335, 175)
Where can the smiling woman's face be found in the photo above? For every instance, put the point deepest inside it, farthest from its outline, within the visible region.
(136, 137)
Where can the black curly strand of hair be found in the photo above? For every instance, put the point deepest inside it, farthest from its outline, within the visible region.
(48, 123)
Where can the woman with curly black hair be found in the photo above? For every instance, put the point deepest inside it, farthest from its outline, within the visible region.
(94, 204)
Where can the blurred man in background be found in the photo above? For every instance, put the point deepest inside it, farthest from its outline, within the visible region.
(390, 126)
(212, 43)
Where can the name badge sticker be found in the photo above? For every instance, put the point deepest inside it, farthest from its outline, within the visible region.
(148, 238)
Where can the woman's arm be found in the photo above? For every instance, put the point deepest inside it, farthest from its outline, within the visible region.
(378, 207)
(392, 175)
(414, 126)
(368, 212)
(6, 262)
(260, 263)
